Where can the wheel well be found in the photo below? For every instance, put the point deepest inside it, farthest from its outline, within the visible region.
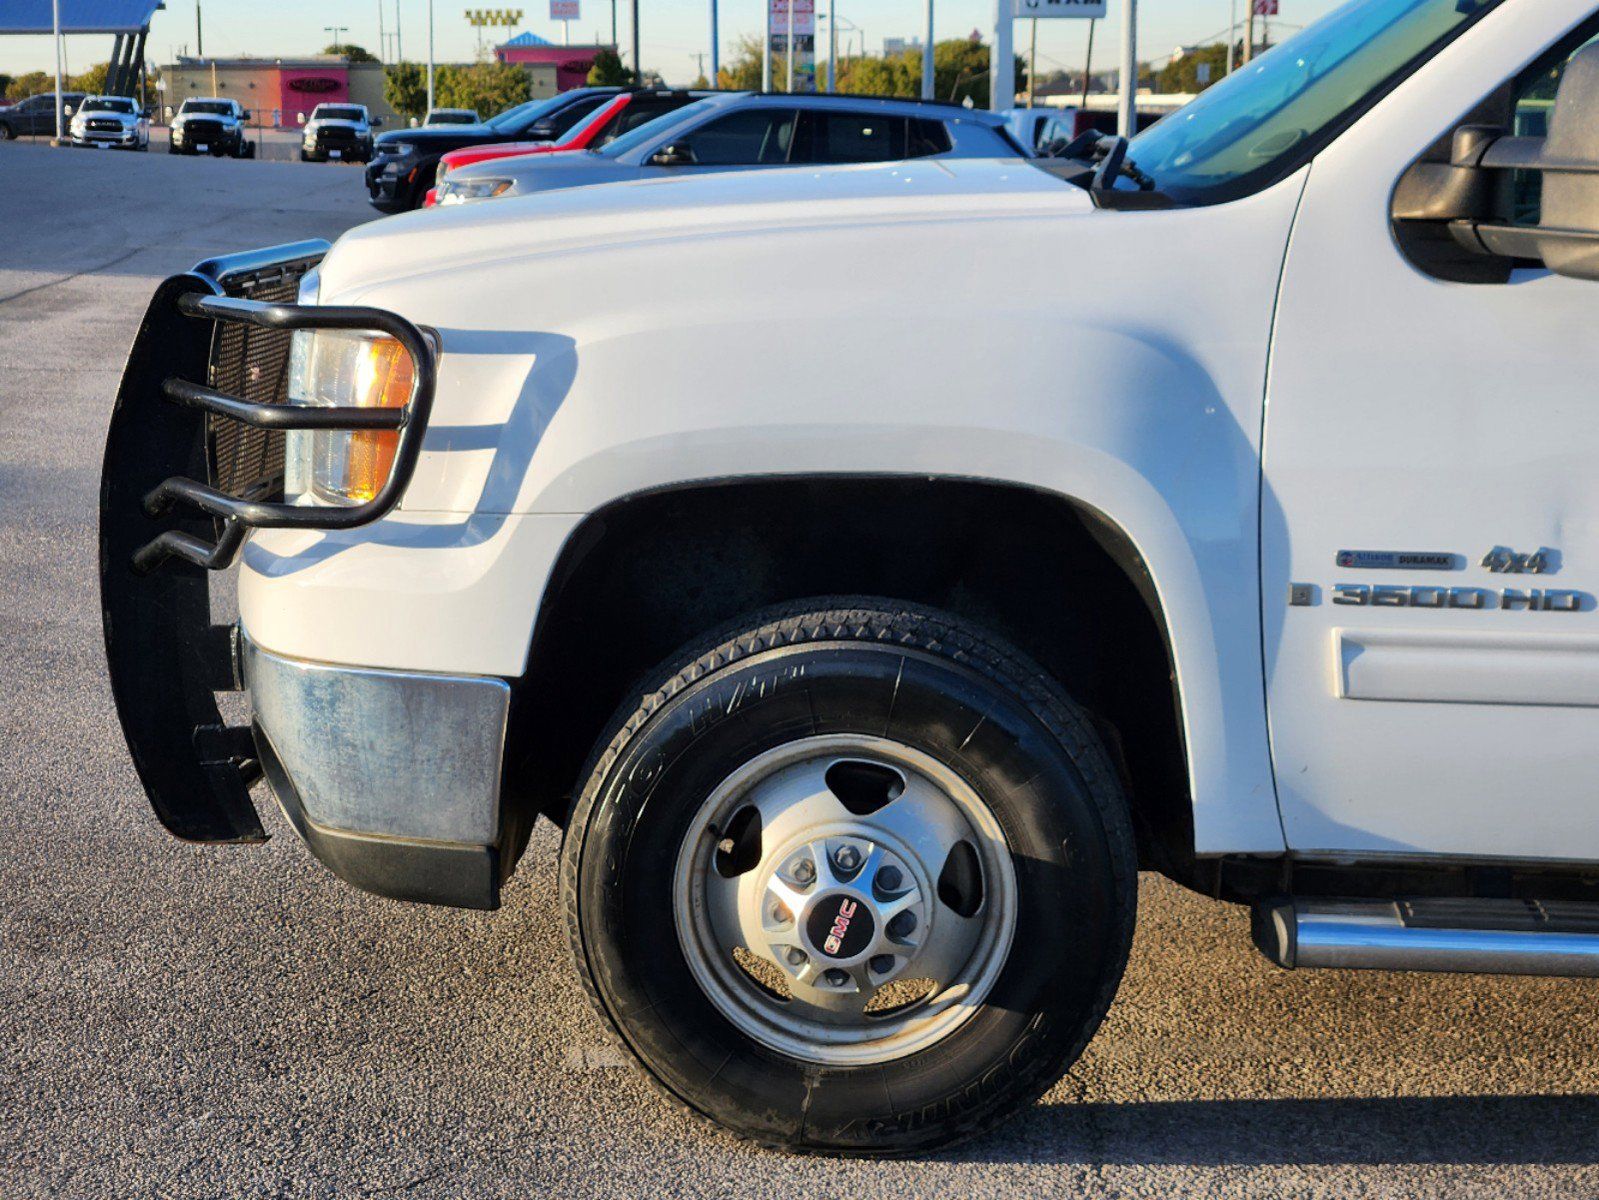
(646, 575)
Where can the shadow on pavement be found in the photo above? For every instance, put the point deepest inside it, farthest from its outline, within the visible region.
(1398, 1130)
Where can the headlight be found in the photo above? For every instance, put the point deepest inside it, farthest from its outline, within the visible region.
(400, 149)
(344, 369)
(459, 191)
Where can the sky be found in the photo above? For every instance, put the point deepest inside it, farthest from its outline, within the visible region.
(672, 32)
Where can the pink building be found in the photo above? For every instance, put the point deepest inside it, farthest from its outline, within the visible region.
(553, 68)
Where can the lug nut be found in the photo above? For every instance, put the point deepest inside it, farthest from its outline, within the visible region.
(796, 957)
(889, 879)
(882, 964)
(804, 870)
(847, 858)
(902, 925)
(836, 977)
(779, 913)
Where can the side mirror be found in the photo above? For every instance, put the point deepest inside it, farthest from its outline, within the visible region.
(376, 122)
(68, 109)
(1473, 197)
(542, 130)
(674, 155)
(299, 118)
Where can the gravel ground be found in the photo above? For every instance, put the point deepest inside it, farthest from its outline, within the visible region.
(184, 1021)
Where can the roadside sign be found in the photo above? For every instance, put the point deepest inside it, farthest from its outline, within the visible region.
(1265, 8)
(803, 36)
(804, 17)
(565, 10)
(1091, 9)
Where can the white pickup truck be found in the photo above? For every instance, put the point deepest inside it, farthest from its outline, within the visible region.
(867, 623)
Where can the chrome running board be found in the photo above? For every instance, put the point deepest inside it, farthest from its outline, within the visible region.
(1493, 937)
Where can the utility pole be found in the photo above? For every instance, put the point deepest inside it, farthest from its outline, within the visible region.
(383, 37)
(199, 37)
(1249, 32)
(1127, 116)
(766, 50)
(430, 56)
(638, 67)
(1232, 33)
(1088, 62)
(832, 45)
(1001, 63)
(399, 48)
(1032, 65)
(927, 56)
(716, 48)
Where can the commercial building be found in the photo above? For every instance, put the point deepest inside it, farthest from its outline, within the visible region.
(550, 68)
(277, 91)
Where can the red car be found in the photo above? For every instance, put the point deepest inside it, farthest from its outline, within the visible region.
(608, 122)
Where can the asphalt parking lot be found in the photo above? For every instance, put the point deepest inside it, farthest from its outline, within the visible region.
(187, 1021)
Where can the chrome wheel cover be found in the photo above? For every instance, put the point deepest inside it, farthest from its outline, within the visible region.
(845, 899)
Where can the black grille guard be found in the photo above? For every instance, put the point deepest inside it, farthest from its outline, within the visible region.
(164, 532)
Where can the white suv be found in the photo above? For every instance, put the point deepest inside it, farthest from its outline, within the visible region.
(869, 624)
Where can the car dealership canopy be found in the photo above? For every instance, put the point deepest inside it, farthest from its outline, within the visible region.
(127, 20)
(78, 16)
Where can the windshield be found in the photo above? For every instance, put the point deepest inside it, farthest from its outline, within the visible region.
(103, 105)
(207, 106)
(326, 112)
(1270, 115)
(653, 129)
(523, 114)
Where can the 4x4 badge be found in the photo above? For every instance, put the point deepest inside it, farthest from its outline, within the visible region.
(1502, 560)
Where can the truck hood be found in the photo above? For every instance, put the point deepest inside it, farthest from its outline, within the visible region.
(457, 237)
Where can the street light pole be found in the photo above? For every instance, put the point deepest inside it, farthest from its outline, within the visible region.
(430, 55)
(716, 57)
(1088, 61)
(1002, 63)
(927, 56)
(1032, 66)
(1127, 115)
(55, 14)
(638, 67)
(766, 50)
(832, 45)
(1232, 33)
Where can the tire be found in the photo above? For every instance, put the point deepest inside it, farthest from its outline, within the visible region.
(6, 133)
(852, 688)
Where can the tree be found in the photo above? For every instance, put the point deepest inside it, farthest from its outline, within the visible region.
(487, 87)
(405, 89)
(608, 70)
(30, 83)
(5, 84)
(1182, 74)
(91, 81)
(742, 73)
(350, 52)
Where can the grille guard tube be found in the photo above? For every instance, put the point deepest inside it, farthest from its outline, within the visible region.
(162, 532)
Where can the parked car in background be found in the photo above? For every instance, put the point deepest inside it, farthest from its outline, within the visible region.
(36, 116)
(211, 125)
(734, 131)
(114, 122)
(338, 132)
(621, 115)
(451, 116)
(405, 160)
(1037, 129)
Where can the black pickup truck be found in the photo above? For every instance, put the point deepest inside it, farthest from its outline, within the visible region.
(36, 116)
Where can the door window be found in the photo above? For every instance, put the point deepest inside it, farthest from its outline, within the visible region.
(758, 135)
(857, 137)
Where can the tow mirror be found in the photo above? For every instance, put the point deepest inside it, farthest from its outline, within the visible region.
(673, 156)
(1475, 198)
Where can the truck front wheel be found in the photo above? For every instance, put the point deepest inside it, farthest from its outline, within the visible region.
(854, 878)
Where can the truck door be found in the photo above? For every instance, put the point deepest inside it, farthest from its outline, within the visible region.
(1430, 502)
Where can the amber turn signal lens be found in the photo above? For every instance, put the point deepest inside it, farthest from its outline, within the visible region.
(386, 377)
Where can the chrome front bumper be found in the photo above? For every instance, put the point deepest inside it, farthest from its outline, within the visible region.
(392, 777)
